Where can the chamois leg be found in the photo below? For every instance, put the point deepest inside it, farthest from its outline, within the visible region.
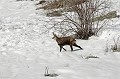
(77, 46)
(64, 48)
(61, 48)
(71, 47)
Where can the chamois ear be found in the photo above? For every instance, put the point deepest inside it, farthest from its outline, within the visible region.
(54, 35)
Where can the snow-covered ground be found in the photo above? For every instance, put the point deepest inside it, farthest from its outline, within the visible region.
(25, 52)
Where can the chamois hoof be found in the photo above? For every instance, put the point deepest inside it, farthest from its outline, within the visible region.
(81, 49)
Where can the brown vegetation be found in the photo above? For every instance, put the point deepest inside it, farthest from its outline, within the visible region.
(61, 3)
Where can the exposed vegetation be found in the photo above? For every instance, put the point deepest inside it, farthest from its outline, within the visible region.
(113, 46)
(109, 15)
(61, 4)
(54, 13)
(47, 74)
(91, 56)
(81, 17)
(81, 21)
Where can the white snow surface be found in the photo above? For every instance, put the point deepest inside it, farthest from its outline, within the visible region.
(25, 52)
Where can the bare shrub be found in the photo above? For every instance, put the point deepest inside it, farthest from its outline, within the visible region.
(81, 20)
(47, 74)
(114, 45)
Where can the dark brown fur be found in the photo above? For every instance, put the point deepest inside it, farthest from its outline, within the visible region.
(65, 41)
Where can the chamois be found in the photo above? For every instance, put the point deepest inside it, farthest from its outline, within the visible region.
(66, 41)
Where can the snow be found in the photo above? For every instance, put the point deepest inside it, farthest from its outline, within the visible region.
(25, 51)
